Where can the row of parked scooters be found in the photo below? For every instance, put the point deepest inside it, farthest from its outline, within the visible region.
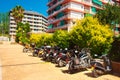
(74, 59)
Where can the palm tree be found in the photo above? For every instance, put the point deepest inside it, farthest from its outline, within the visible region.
(18, 14)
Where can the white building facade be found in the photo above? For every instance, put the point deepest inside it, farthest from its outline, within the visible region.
(38, 23)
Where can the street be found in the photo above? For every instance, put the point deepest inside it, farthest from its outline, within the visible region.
(15, 65)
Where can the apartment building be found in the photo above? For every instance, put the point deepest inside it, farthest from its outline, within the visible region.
(38, 23)
(63, 13)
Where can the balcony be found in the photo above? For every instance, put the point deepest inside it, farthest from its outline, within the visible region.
(13, 25)
(52, 7)
(104, 1)
(87, 1)
(50, 1)
(59, 19)
(56, 12)
(82, 2)
(11, 29)
(11, 17)
(87, 10)
(96, 6)
(12, 33)
(97, 2)
(12, 21)
(64, 27)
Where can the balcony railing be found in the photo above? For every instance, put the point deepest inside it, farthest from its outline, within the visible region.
(12, 33)
(64, 26)
(62, 18)
(87, 10)
(61, 27)
(63, 8)
(58, 27)
(97, 2)
(86, 1)
(49, 1)
(55, 5)
(13, 25)
(12, 29)
(98, 7)
(83, 2)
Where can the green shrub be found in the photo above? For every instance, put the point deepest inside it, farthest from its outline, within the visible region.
(61, 38)
(88, 32)
(41, 39)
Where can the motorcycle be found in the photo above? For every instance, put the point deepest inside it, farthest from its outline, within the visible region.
(27, 49)
(37, 52)
(54, 56)
(46, 53)
(80, 61)
(63, 58)
(100, 68)
(50, 54)
(40, 53)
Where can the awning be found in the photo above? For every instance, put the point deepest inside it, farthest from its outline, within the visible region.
(97, 2)
(50, 26)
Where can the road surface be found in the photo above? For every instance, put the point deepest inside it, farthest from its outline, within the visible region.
(15, 65)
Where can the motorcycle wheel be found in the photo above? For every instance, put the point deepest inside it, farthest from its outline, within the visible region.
(39, 55)
(30, 50)
(34, 54)
(71, 68)
(94, 73)
(24, 50)
(60, 63)
(48, 59)
(44, 56)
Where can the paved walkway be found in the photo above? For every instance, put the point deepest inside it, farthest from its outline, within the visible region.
(0, 71)
(22, 66)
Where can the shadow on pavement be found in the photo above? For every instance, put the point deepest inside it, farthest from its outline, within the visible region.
(73, 72)
(89, 74)
(19, 64)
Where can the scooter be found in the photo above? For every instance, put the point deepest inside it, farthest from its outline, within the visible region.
(99, 68)
(63, 57)
(46, 53)
(36, 51)
(54, 56)
(27, 49)
(80, 61)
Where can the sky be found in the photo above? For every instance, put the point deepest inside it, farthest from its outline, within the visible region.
(39, 6)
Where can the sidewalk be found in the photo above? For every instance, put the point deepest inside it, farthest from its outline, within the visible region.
(0, 71)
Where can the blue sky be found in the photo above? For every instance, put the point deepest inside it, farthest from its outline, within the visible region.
(34, 5)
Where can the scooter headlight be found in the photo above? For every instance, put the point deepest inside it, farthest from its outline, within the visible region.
(76, 51)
